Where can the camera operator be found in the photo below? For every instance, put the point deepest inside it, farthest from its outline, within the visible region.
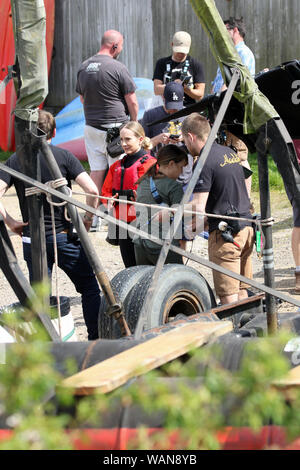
(180, 67)
(221, 189)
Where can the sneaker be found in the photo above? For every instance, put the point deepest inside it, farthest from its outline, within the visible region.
(96, 224)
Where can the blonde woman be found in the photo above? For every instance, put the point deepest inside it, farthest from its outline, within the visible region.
(121, 179)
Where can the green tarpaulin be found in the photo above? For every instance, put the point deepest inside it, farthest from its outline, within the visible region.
(29, 21)
(258, 109)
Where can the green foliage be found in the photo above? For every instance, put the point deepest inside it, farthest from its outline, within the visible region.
(26, 381)
(4, 155)
(197, 397)
(86, 166)
(198, 407)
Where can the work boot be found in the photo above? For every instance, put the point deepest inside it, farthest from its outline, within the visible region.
(297, 286)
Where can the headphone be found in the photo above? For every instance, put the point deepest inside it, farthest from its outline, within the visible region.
(114, 47)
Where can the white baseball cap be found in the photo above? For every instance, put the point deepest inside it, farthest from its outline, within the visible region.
(181, 42)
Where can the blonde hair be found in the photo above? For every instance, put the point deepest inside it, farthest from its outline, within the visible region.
(138, 131)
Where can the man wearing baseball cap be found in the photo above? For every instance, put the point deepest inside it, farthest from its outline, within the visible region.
(160, 134)
(180, 67)
(173, 96)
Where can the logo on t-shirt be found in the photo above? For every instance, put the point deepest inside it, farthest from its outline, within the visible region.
(230, 160)
(93, 67)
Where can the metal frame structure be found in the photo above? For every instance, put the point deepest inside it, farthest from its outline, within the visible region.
(115, 308)
(29, 144)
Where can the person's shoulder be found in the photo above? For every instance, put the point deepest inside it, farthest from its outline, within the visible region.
(243, 48)
(116, 64)
(93, 58)
(194, 61)
(152, 113)
(12, 160)
(169, 185)
(61, 154)
(162, 60)
(218, 151)
(147, 158)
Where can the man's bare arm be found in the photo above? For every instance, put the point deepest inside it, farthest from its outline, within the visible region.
(133, 106)
(14, 225)
(159, 87)
(88, 186)
(195, 93)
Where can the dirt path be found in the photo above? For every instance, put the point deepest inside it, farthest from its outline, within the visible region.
(112, 262)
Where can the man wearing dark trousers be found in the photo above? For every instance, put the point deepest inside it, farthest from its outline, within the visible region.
(71, 256)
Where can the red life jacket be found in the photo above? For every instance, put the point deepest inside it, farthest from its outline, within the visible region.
(125, 178)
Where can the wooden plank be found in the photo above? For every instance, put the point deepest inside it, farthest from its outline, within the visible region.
(292, 379)
(116, 371)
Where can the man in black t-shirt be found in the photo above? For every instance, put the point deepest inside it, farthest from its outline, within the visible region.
(221, 190)
(180, 67)
(71, 256)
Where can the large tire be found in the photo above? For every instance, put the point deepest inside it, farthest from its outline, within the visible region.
(121, 284)
(181, 290)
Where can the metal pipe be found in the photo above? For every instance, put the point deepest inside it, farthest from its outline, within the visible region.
(265, 208)
(135, 231)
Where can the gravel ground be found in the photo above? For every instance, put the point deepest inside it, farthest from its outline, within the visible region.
(112, 262)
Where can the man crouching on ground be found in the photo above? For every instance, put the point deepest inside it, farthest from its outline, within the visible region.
(221, 189)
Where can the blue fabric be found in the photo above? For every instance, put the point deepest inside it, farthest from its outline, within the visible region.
(73, 261)
(247, 58)
(154, 191)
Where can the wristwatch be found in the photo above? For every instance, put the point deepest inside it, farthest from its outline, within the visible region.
(87, 217)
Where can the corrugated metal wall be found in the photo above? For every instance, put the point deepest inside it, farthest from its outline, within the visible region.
(79, 26)
(273, 33)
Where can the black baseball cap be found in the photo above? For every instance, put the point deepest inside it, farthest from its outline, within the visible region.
(173, 95)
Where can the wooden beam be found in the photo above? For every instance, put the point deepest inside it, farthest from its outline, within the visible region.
(117, 370)
(291, 380)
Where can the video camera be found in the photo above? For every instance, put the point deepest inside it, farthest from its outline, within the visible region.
(112, 133)
(184, 76)
(186, 79)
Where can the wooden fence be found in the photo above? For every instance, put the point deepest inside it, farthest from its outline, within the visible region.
(273, 33)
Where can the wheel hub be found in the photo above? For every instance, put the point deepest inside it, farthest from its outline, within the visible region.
(184, 302)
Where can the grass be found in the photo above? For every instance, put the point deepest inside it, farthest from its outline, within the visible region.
(276, 183)
(4, 155)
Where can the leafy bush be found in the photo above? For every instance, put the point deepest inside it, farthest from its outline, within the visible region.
(195, 405)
